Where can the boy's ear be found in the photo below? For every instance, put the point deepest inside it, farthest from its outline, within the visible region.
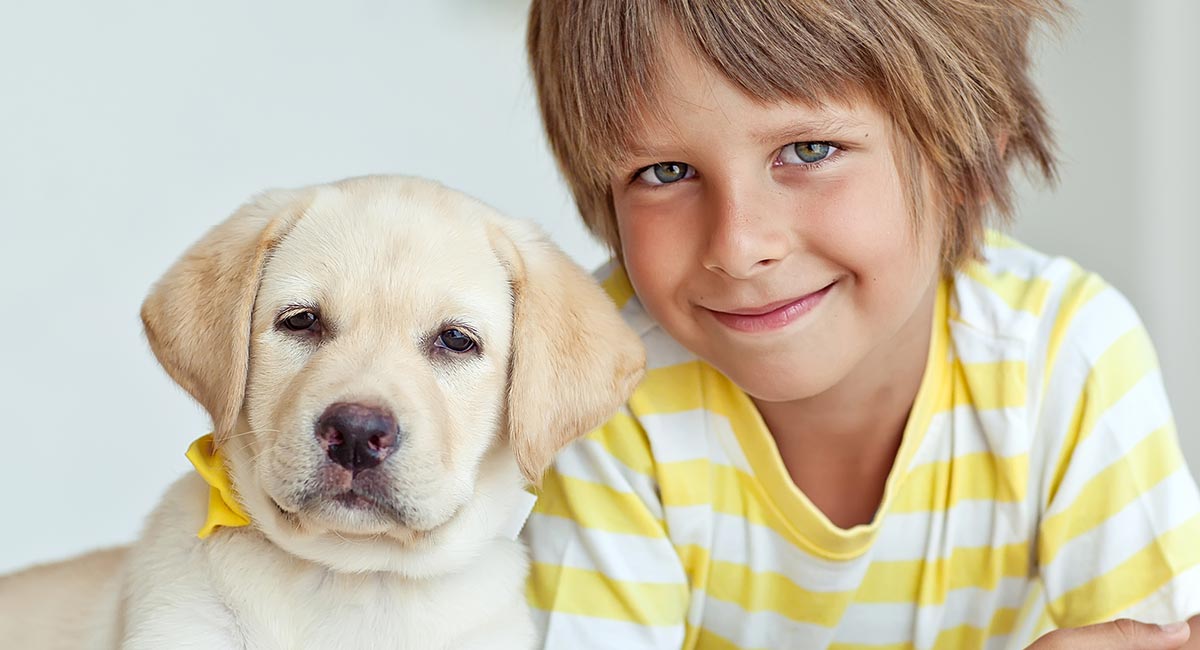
(197, 316)
(573, 361)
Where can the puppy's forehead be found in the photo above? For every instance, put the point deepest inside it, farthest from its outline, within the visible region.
(423, 248)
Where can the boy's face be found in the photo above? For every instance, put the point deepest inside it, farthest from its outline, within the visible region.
(775, 241)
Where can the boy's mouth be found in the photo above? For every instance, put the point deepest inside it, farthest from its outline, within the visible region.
(771, 316)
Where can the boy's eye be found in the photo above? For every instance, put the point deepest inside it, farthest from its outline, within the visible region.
(665, 172)
(806, 153)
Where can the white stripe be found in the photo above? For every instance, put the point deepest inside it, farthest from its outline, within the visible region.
(663, 351)
(1140, 412)
(1122, 535)
(970, 523)
(636, 317)
(1178, 600)
(1099, 323)
(1026, 630)
(729, 538)
(698, 434)
(627, 558)
(966, 430)
(588, 460)
(982, 308)
(879, 623)
(1025, 263)
(974, 345)
(562, 631)
(765, 629)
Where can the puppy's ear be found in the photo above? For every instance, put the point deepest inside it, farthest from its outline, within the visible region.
(197, 316)
(574, 361)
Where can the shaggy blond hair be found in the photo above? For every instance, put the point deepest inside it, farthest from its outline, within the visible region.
(952, 74)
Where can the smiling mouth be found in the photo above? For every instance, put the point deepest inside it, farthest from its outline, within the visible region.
(772, 316)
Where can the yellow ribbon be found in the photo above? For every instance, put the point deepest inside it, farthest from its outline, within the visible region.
(223, 508)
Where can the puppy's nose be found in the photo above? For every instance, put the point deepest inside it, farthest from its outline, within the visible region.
(357, 436)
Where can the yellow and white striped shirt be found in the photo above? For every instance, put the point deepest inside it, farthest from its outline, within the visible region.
(1039, 484)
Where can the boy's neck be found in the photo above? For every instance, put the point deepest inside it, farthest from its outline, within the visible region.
(839, 446)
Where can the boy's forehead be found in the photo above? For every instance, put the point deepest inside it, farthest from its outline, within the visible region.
(694, 98)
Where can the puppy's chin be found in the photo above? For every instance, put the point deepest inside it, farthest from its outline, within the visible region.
(351, 515)
(352, 540)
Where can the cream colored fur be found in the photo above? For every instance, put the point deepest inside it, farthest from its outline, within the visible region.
(389, 262)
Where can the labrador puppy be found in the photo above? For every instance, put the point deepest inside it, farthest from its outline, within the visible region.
(387, 364)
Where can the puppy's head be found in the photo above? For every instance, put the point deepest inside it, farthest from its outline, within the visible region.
(383, 360)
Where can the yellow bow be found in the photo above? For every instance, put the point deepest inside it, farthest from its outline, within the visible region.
(223, 508)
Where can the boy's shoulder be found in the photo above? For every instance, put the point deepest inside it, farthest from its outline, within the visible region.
(1015, 295)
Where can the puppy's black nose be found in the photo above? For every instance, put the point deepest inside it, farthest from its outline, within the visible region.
(357, 436)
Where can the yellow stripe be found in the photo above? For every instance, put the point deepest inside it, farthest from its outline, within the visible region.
(674, 389)
(1080, 289)
(596, 506)
(940, 485)
(591, 593)
(927, 582)
(997, 239)
(964, 636)
(1003, 622)
(708, 640)
(1153, 459)
(622, 437)
(1021, 294)
(901, 645)
(728, 491)
(1135, 579)
(617, 286)
(1070, 442)
(987, 385)
(1118, 369)
(768, 591)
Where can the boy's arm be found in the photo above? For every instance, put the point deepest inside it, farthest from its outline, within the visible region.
(1121, 520)
(604, 573)
(1123, 634)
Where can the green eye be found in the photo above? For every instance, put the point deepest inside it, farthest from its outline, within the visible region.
(665, 172)
(811, 152)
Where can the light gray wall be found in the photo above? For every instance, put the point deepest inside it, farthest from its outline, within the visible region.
(129, 127)
(1123, 86)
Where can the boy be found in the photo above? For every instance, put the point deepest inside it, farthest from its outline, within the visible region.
(866, 421)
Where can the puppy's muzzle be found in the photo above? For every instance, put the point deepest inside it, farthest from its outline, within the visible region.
(357, 436)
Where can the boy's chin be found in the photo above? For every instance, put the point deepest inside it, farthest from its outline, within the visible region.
(775, 382)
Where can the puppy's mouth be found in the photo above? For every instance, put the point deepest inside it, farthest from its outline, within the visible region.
(360, 499)
(355, 503)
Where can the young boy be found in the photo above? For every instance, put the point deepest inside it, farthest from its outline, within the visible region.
(867, 421)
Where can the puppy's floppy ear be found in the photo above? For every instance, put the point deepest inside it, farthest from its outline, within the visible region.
(197, 316)
(574, 361)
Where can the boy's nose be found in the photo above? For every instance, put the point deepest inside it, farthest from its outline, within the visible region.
(746, 237)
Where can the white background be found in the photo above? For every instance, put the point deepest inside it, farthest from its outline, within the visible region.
(128, 128)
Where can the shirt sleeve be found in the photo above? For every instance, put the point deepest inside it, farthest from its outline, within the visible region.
(604, 573)
(1120, 531)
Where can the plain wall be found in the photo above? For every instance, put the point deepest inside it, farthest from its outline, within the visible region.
(129, 128)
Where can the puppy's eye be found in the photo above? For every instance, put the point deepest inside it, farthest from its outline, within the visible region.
(455, 340)
(300, 321)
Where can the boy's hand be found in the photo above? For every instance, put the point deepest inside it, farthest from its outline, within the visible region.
(1122, 634)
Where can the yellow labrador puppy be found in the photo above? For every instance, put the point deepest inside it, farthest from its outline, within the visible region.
(387, 363)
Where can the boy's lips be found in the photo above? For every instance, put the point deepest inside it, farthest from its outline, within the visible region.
(771, 316)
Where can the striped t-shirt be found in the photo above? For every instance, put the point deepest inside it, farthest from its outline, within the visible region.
(1039, 484)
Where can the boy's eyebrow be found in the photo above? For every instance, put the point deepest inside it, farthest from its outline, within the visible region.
(813, 129)
(794, 131)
